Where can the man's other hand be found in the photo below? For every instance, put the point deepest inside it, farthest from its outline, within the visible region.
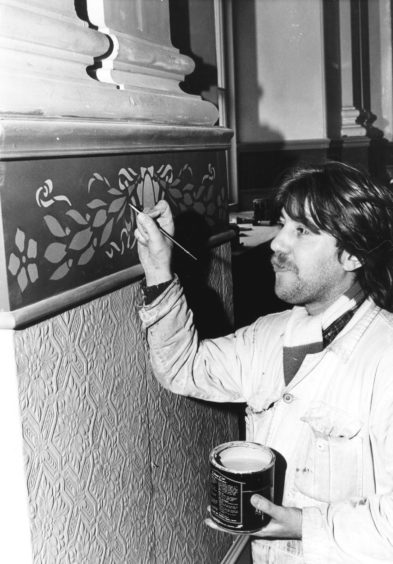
(285, 522)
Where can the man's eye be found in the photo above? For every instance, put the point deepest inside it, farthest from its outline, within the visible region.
(301, 230)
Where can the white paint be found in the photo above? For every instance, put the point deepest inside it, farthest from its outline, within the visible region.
(245, 458)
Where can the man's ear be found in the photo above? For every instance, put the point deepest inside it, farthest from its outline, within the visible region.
(349, 262)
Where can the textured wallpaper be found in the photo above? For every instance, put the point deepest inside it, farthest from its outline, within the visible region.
(116, 466)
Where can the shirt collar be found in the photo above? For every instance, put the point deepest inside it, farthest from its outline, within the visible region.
(350, 300)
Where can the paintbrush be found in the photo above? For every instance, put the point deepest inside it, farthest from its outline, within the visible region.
(166, 234)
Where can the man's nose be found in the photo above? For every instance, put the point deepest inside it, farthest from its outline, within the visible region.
(281, 242)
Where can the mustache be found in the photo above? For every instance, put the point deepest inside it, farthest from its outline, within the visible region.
(279, 260)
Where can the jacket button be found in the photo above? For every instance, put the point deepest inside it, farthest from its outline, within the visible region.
(287, 397)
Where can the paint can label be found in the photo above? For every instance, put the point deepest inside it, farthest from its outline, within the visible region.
(238, 470)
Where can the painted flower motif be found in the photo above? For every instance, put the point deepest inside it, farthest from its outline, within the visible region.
(23, 265)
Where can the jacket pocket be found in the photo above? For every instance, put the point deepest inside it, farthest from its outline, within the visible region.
(329, 462)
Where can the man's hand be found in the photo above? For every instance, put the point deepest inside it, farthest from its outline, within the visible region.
(285, 522)
(154, 249)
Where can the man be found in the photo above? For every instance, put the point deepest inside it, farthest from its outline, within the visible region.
(317, 378)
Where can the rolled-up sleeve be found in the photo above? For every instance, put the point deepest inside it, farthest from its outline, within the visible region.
(211, 369)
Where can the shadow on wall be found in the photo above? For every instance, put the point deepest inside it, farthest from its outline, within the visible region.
(185, 33)
(250, 93)
(210, 317)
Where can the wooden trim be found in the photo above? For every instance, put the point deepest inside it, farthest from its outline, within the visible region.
(221, 238)
(66, 300)
(27, 137)
(287, 145)
(236, 550)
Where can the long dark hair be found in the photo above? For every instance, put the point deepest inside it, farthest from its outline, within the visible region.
(356, 211)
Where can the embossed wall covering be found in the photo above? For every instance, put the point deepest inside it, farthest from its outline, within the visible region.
(116, 466)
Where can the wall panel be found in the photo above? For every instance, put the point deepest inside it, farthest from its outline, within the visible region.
(116, 466)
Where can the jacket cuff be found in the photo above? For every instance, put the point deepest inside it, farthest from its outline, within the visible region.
(151, 293)
(162, 304)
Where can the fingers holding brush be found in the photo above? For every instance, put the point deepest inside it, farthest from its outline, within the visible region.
(154, 249)
(161, 212)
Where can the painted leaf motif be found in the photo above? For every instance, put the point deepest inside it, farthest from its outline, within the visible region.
(86, 256)
(210, 192)
(81, 239)
(54, 226)
(97, 203)
(211, 208)
(77, 217)
(100, 218)
(106, 232)
(55, 252)
(115, 192)
(60, 272)
(116, 205)
(199, 192)
(90, 183)
(187, 199)
(176, 194)
(200, 208)
(122, 212)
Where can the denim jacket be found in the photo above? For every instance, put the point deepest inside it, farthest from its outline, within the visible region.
(333, 423)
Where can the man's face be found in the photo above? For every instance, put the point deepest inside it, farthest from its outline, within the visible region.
(307, 267)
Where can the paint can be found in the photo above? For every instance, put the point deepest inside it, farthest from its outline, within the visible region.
(238, 470)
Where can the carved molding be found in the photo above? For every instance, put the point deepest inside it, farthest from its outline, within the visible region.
(349, 123)
(49, 53)
(350, 126)
(43, 137)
